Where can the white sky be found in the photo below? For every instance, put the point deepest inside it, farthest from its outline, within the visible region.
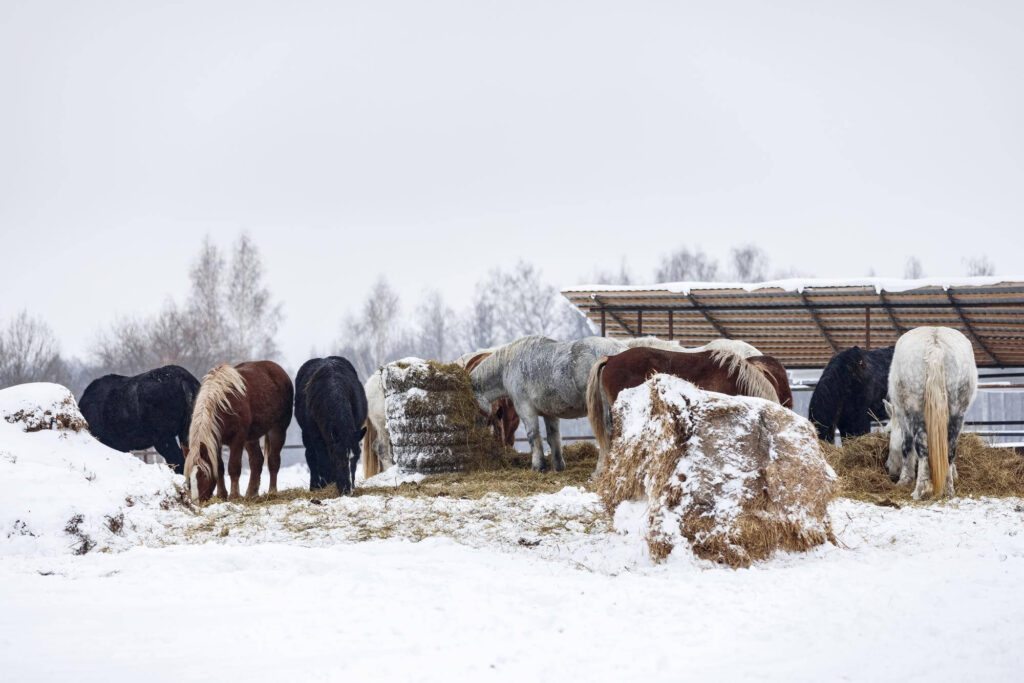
(433, 141)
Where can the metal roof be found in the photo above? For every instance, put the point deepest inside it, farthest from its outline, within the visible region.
(804, 322)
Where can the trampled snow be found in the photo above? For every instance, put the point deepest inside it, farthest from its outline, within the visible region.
(547, 587)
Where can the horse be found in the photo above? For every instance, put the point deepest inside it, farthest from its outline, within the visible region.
(775, 372)
(544, 378)
(932, 382)
(235, 406)
(850, 392)
(722, 371)
(151, 410)
(737, 346)
(330, 407)
(502, 416)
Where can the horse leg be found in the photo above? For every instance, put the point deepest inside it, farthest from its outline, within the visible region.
(235, 467)
(554, 432)
(222, 490)
(908, 468)
(255, 467)
(532, 423)
(275, 442)
(171, 453)
(956, 423)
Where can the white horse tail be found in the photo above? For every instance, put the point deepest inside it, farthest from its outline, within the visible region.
(750, 379)
(371, 463)
(936, 417)
(595, 405)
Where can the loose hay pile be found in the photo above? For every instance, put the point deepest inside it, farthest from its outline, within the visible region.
(982, 470)
(432, 416)
(735, 478)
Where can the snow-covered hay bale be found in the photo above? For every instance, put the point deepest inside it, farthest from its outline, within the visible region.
(736, 478)
(61, 490)
(432, 415)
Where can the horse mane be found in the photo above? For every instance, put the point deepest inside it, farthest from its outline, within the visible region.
(750, 380)
(215, 392)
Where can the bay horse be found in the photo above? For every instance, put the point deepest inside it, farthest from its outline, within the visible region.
(149, 410)
(722, 371)
(330, 407)
(543, 378)
(236, 406)
(850, 392)
(502, 416)
(932, 382)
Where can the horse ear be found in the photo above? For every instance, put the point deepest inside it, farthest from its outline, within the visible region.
(888, 407)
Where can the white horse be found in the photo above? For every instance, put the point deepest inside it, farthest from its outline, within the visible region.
(544, 378)
(740, 348)
(932, 382)
(377, 441)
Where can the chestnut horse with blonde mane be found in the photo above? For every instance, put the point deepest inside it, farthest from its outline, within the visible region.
(236, 406)
(723, 371)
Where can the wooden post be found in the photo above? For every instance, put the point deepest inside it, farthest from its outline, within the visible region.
(604, 324)
(639, 323)
(867, 328)
(670, 324)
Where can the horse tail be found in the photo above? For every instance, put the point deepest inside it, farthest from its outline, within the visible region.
(190, 401)
(595, 404)
(371, 463)
(936, 417)
(750, 379)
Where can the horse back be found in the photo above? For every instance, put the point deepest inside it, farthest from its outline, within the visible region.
(633, 367)
(266, 404)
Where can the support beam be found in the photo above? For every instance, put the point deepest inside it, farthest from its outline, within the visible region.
(817, 321)
(970, 330)
(867, 328)
(707, 316)
(604, 323)
(670, 330)
(639, 323)
(892, 316)
(616, 318)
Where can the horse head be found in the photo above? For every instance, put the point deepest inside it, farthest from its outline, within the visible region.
(200, 473)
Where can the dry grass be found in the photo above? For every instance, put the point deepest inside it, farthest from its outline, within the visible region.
(982, 470)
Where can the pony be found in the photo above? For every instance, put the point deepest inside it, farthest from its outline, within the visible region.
(722, 371)
(376, 441)
(151, 410)
(330, 407)
(850, 392)
(502, 417)
(932, 382)
(235, 406)
(544, 378)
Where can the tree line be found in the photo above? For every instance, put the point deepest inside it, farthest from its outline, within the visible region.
(231, 316)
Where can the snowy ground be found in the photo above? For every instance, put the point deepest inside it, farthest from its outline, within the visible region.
(545, 587)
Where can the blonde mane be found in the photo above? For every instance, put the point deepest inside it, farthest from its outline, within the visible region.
(214, 394)
(749, 379)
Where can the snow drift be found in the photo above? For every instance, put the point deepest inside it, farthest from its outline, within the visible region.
(61, 490)
(735, 478)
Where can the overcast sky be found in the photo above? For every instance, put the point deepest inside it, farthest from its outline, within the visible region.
(431, 141)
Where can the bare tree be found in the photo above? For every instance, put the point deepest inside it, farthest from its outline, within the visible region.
(687, 266)
(435, 334)
(378, 334)
(980, 265)
(912, 269)
(610, 277)
(29, 353)
(480, 322)
(749, 263)
(251, 318)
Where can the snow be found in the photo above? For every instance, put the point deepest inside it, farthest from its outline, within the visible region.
(880, 284)
(544, 587)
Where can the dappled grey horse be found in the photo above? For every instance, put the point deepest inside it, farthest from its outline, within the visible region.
(544, 378)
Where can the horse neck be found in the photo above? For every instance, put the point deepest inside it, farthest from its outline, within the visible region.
(488, 377)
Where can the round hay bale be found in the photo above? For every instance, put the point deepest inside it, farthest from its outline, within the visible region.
(432, 417)
(734, 478)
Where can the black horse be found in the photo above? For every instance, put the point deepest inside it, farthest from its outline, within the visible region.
(330, 407)
(850, 392)
(150, 410)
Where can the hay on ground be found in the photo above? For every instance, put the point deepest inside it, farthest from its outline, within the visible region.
(982, 470)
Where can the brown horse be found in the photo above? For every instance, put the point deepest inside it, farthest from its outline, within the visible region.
(776, 374)
(235, 406)
(723, 371)
(503, 415)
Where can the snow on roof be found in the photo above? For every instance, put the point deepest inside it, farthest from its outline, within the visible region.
(880, 284)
